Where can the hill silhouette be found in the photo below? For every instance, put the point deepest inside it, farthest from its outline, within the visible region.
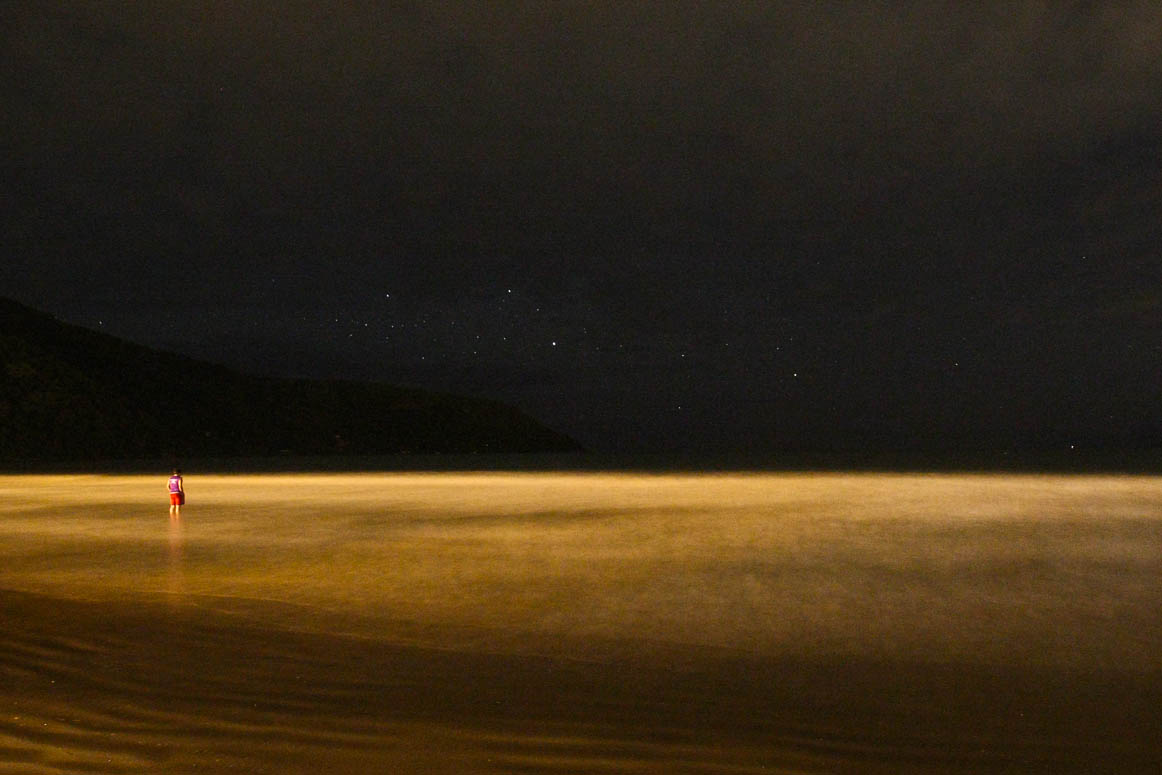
(69, 393)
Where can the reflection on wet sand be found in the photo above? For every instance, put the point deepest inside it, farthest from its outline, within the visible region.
(582, 623)
(175, 586)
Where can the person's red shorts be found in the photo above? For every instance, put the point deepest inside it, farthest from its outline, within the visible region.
(175, 499)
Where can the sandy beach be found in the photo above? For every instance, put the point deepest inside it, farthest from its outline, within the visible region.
(581, 622)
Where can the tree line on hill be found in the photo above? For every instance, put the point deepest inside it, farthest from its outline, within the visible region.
(69, 393)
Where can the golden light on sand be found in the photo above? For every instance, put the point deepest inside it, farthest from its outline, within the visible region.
(486, 622)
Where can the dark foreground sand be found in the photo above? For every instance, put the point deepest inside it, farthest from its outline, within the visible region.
(575, 623)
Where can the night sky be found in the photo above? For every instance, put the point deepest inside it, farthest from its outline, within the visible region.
(673, 225)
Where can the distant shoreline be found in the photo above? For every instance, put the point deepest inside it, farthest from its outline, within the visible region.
(1142, 462)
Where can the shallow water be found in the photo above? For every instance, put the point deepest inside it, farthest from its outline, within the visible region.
(585, 622)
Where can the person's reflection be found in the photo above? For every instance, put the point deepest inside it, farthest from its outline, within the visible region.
(176, 551)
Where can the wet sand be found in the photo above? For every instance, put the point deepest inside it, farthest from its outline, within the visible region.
(566, 623)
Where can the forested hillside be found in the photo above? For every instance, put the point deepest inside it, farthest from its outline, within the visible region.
(69, 393)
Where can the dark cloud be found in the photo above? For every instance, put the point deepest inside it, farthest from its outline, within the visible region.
(821, 206)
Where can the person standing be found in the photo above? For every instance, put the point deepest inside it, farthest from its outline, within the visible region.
(177, 493)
